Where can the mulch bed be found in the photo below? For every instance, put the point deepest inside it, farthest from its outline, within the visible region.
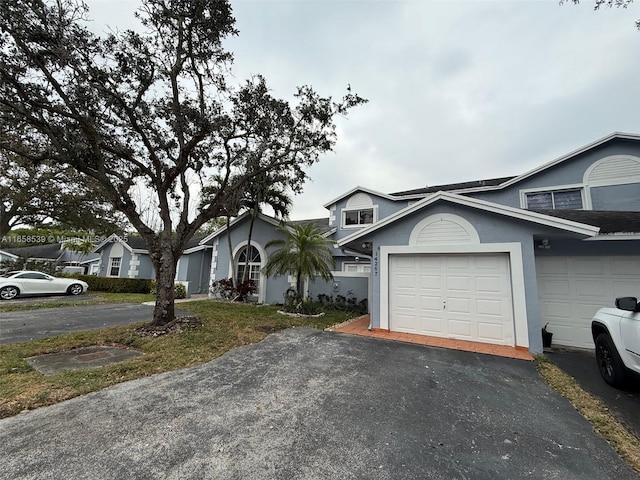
(176, 326)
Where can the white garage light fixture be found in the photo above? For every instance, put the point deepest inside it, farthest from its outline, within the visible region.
(543, 244)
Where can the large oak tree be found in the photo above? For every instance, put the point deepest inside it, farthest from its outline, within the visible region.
(607, 3)
(40, 193)
(153, 109)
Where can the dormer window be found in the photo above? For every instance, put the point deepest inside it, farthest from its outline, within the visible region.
(359, 211)
(555, 200)
(358, 217)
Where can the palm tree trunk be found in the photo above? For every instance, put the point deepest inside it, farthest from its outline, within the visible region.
(299, 284)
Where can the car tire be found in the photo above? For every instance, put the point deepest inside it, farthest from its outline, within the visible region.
(74, 289)
(610, 364)
(9, 293)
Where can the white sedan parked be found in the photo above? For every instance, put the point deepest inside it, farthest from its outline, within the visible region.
(24, 282)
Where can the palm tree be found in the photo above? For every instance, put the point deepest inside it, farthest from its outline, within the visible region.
(231, 206)
(83, 247)
(304, 252)
(263, 191)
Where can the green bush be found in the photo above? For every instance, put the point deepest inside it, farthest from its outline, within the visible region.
(343, 303)
(117, 285)
(225, 289)
(179, 290)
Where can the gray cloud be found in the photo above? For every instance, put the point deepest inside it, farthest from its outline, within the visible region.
(458, 90)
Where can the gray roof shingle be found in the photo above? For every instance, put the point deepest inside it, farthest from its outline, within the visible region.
(491, 182)
(609, 221)
(321, 224)
(50, 251)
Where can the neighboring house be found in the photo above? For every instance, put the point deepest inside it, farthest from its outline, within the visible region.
(496, 260)
(52, 253)
(129, 258)
(349, 282)
(7, 256)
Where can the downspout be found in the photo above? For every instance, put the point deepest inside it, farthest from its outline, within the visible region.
(370, 257)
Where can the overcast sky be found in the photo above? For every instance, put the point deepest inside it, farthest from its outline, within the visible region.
(458, 90)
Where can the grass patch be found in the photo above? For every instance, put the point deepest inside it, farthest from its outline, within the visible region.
(225, 326)
(624, 442)
(98, 298)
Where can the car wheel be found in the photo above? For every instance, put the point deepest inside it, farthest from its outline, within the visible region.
(610, 364)
(9, 293)
(74, 289)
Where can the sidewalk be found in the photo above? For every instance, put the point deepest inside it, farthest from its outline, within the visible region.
(192, 298)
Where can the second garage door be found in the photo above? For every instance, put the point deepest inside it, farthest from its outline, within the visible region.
(572, 289)
(454, 296)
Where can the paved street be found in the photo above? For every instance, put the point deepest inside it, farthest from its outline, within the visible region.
(48, 322)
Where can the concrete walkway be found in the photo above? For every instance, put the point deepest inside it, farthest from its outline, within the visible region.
(193, 298)
(359, 326)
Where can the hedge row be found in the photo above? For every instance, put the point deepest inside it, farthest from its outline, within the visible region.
(117, 285)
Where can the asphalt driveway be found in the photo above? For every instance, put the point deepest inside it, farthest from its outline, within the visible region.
(304, 404)
(624, 404)
(49, 322)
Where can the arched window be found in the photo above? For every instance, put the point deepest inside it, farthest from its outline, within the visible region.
(254, 265)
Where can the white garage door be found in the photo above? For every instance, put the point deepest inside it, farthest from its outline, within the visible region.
(467, 297)
(572, 289)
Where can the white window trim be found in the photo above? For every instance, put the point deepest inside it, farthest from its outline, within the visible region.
(109, 267)
(586, 201)
(361, 266)
(262, 289)
(344, 211)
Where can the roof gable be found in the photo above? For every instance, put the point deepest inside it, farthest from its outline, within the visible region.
(504, 182)
(275, 222)
(321, 224)
(575, 153)
(113, 238)
(362, 190)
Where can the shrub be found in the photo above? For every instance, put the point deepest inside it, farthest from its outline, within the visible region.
(224, 289)
(117, 285)
(179, 290)
(294, 303)
(348, 303)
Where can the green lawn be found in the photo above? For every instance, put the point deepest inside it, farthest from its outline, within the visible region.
(225, 326)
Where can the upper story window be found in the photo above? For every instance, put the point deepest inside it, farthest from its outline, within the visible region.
(358, 217)
(555, 200)
(359, 211)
